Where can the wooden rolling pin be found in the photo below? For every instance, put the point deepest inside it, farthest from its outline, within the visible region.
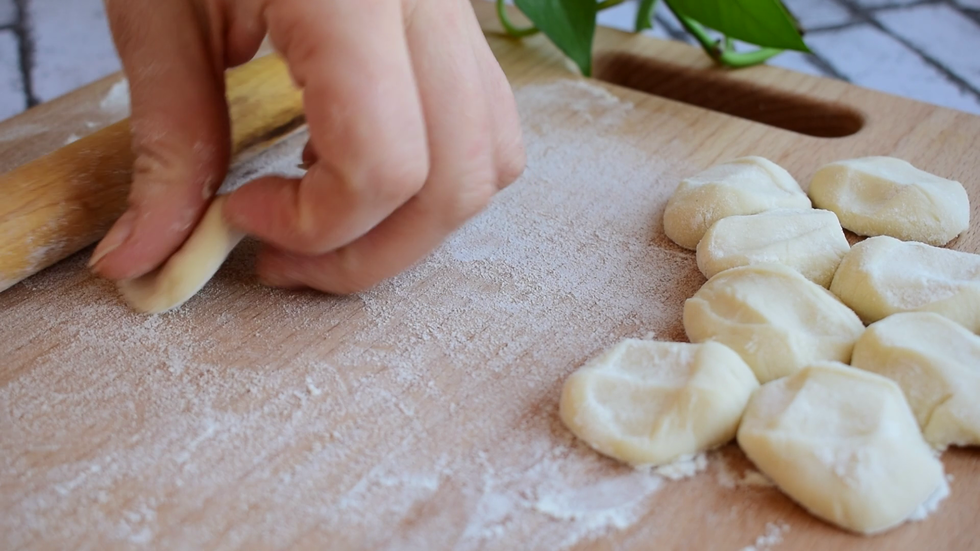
(57, 205)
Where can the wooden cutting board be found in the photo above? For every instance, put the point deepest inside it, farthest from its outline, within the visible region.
(423, 414)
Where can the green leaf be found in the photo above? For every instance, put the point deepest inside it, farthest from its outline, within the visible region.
(762, 22)
(570, 24)
(644, 14)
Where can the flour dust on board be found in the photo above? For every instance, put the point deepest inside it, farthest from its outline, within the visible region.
(421, 414)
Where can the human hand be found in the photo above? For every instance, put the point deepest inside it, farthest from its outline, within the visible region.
(413, 128)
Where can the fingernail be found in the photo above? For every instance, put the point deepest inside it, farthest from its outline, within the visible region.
(117, 236)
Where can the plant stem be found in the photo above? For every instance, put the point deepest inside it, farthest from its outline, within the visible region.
(722, 51)
(512, 30)
(748, 59)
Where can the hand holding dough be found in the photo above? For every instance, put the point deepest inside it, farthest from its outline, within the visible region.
(649, 403)
(888, 196)
(843, 444)
(937, 364)
(188, 270)
(742, 186)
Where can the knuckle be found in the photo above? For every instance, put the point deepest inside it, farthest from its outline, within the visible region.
(162, 159)
(394, 179)
(465, 201)
(161, 171)
(511, 163)
(510, 154)
(479, 201)
(307, 232)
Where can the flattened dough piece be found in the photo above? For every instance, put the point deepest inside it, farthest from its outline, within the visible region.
(888, 196)
(649, 403)
(937, 364)
(188, 270)
(775, 318)
(746, 185)
(810, 241)
(842, 443)
(882, 276)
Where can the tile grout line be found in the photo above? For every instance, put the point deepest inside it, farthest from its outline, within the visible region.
(673, 33)
(21, 28)
(830, 28)
(969, 13)
(819, 61)
(825, 66)
(867, 17)
(972, 14)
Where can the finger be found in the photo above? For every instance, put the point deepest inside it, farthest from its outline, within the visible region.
(365, 122)
(464, 170)
(509, 153)
(238, 29)
(180, 133)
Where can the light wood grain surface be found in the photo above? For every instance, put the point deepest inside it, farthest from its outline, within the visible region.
(423, 414)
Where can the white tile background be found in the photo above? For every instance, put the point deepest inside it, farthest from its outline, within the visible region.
(927, 50)
(72, 45)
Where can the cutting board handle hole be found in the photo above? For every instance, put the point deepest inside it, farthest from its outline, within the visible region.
(713, 89)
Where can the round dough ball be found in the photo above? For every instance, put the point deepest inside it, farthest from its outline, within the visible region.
(842, 443)
(888, 196)
(882, 276)
(775, 318)
(808, 240)
(937, 364)
(746, 185)
(649, 403)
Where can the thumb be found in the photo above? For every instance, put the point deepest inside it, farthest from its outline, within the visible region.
(180, 130)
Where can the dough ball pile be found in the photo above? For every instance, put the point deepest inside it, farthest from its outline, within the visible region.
(843, 444)
(786, 301)
(811, 241)
(776, 319)
(747, 185)
(881, 276)
(937, 364)
(888, 196)
(650, 403)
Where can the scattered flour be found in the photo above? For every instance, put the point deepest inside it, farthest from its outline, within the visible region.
(685, 467)
(730, 473)
(730, 478)
(755, 478)
(278, 159)
(21, 131)
(60, 122)
(116, 99)
(773, 536)
(421, 414)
